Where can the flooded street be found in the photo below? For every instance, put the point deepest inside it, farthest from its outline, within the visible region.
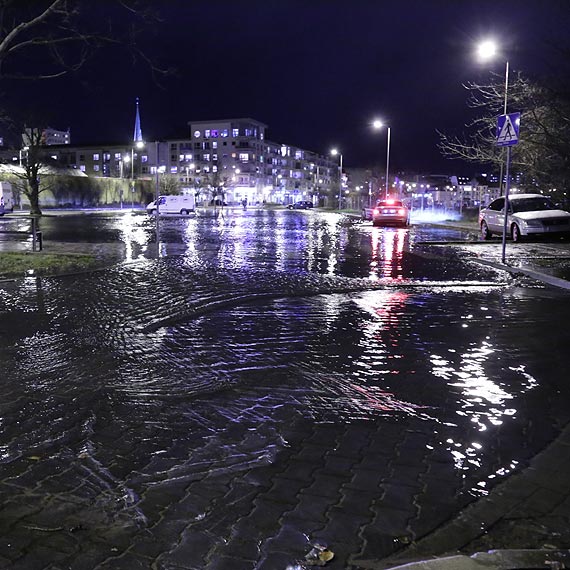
(260, 381)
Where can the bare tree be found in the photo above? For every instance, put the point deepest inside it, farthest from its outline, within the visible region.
(34, 175)
(169, 184)
(542, 155)
(49, 38)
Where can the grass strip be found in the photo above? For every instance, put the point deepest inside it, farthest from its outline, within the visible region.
(14, 264)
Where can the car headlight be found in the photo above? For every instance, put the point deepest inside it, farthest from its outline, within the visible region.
(534, 223)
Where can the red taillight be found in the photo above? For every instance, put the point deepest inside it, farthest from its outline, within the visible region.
(402, 212)
(376, 211)
(390, 202)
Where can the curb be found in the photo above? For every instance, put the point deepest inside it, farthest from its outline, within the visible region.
(496, 560)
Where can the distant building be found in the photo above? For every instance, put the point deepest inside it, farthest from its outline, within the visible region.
(49, 137)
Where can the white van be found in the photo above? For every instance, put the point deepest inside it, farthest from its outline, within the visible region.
(6, 198)
(183, 205)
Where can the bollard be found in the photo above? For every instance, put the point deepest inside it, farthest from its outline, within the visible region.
(40, 240)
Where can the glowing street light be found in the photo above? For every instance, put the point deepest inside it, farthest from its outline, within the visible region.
(486, 51)
(377, 124)
(335, 152)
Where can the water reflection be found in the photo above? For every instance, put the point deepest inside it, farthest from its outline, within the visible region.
(387, 253)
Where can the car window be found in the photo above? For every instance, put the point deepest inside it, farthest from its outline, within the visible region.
(533, 204)
(496, 205)
(396, 203)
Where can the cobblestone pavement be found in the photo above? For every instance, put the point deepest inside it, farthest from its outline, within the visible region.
(326, 482)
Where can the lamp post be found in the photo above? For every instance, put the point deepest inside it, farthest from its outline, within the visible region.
(334, 152)
(139, 145)
(487, 50)
(26, 148)
(377, 124)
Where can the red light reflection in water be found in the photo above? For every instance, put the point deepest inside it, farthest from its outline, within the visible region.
(387, 253)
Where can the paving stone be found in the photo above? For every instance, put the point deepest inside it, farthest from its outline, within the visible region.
(265, 516)
(311, 453)
(192, 550)
(376, 545)
(398, 496)
(229, 563)
(299, 470)
(367, 480)
(337, 465)
(325, 486)
(342, 526)
(311, 509)
(128, 561)
(239, 548)
(358, 502)
(391, 521)
(406, 474)
(285, 491)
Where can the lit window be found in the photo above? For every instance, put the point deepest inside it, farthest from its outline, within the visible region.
(181, 158)
(243, 157)
(107, 156)
(173, 169)
(144, 158)
(248, 132)
(206, 157)
(117, 156)
(196, 134)
(224, 133)
(96, 167)
(82, 167)
(235, 132)
(207, 133)
(96, 156)
(188, 157)
(214, 134)
(215, 144)
(214, 157)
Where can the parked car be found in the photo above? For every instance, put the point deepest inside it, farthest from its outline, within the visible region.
(527, 215)
(367, 213)
(301, 205)
(390, 213)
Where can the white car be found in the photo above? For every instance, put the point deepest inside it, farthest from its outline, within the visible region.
(527, 215)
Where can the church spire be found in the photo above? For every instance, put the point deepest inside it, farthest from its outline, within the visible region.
(138, 133)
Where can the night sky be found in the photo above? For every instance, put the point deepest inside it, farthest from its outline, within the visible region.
(315, 71)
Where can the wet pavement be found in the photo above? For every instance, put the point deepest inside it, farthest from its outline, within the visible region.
(259, 382)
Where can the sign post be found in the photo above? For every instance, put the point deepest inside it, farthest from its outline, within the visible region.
(507, 135)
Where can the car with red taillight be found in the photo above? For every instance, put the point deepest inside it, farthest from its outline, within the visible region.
(390, 213)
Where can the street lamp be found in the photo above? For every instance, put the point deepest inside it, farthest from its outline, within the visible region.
(334, 152)
(486, 51)
(26, 148)
(377, 124)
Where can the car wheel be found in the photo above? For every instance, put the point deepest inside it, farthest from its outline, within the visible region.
(184, 212)
(516, 233)
(485, 233)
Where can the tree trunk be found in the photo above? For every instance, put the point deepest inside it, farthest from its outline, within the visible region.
(34, 197)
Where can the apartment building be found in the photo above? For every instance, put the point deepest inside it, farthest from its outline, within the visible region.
(233, 152)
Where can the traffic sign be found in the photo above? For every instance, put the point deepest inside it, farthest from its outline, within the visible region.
(508, 129)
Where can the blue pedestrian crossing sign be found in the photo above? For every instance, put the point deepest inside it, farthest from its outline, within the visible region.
(508, 129)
